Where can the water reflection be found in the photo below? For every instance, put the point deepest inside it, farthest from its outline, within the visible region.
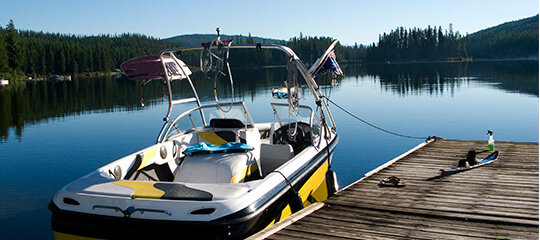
(35, 101)
(27, 103)
(439, 78)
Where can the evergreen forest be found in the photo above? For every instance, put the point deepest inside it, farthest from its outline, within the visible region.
(516, 39)
(29, 54)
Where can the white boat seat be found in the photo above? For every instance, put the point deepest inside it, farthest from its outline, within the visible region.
(274, 155)
(218, 168)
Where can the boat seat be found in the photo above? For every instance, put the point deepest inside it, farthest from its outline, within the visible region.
(274, 155)
(223, 130)
(218, 168)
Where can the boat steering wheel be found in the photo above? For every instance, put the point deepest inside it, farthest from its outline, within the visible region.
(283, 136)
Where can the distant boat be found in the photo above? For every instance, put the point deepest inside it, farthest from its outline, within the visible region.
(3, 82)
(56, 78)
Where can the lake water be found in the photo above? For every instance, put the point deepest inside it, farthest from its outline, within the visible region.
(53, 133)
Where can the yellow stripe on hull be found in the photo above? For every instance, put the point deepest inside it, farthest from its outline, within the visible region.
(286, 212)
(65, 236)
(271, 223)
(315, 187)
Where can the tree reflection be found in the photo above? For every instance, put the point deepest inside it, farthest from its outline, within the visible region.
(32, 102)
(438, 78)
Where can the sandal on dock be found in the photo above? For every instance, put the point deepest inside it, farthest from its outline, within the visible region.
(392, 181)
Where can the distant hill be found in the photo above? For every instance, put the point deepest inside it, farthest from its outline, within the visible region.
(519, 26)
(516, 39)
(197, 39)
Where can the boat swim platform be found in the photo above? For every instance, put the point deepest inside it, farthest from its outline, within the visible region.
(495, 201)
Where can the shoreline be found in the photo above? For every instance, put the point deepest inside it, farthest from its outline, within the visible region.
(466, 60)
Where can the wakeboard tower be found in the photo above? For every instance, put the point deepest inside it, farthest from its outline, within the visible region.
(213, 173)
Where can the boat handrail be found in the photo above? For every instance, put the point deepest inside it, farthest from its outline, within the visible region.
(185, 100)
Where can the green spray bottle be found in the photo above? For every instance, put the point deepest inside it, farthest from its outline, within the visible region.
(491, 141)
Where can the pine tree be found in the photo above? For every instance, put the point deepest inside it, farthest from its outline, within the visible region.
(250, 39)
(13, 46)
(49, 60)
(3, 53)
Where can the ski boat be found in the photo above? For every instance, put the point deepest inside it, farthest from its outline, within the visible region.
(213, 172)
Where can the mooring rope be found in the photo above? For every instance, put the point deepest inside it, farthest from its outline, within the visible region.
(373, 126)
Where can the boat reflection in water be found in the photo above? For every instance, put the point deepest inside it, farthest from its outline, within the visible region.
(213, 173)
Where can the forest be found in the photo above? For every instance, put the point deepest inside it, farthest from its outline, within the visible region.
(29, 54)
(516, 39)
(430, 44)
(38, 54)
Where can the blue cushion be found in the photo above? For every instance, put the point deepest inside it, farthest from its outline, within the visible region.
(211, 148)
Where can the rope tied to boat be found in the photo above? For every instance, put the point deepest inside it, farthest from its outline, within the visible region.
(294, 198)
(379, 128)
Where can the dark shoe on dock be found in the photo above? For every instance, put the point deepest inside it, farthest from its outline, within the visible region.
(392, 181)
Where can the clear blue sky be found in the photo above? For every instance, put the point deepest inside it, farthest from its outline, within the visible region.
(349, 21)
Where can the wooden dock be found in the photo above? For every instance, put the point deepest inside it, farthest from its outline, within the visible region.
(496, 201)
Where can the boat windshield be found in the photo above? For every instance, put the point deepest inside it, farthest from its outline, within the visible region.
(201, 117)
(285, 116)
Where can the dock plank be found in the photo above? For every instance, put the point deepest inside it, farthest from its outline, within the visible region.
(496, 201)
